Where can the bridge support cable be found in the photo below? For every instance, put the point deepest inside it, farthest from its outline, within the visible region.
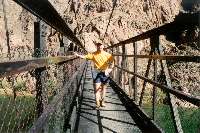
(46, 12)
(111, 14)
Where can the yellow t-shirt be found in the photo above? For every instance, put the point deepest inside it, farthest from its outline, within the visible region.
(101, 59)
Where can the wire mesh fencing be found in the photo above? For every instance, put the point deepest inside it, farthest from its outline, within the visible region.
(56, 117)
(17, 103)
(25, 96)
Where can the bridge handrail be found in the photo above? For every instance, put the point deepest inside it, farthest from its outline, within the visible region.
(51, 108)
(14, 67)
(185, 58)
(180, 22)
(38, 69)
(178, 94)
(45, 11)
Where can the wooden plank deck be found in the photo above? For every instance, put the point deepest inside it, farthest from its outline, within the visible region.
(110, 119)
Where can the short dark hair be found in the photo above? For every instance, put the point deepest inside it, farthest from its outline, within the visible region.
(98, 44)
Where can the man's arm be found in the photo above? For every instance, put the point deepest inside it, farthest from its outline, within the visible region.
(81, 56)
(88, 56)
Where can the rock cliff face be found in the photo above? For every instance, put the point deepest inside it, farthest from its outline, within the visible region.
(90, 20)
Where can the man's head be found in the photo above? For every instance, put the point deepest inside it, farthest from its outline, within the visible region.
(99, 46)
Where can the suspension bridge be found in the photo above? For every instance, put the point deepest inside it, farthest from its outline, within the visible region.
(69, 106)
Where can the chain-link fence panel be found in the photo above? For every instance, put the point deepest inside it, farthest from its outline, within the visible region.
(17, 102)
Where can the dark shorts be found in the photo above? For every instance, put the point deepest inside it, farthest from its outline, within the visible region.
(100, 77)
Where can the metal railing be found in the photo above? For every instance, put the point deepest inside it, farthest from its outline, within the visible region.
(164, 104)
(39, 87)
(56, 117)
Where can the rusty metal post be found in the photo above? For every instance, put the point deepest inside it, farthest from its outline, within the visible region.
(39, 106)
(70, 48)
(123, 64)
(66, 43)
(154, 42)
(39, 45)
(74, 47)
(61, 40)
(113, 71)
(135, 71)
(117, 77)
(36, 39)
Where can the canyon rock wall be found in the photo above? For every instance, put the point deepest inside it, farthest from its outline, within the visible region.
(89, 20)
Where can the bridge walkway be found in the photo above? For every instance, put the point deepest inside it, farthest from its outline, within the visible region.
(113, 118)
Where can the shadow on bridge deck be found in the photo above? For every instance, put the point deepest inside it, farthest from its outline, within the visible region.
(113, 118)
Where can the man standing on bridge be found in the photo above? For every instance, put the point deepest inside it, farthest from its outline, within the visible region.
(103, 65)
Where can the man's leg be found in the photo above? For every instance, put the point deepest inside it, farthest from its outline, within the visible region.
(103, 93)
(98, 89)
